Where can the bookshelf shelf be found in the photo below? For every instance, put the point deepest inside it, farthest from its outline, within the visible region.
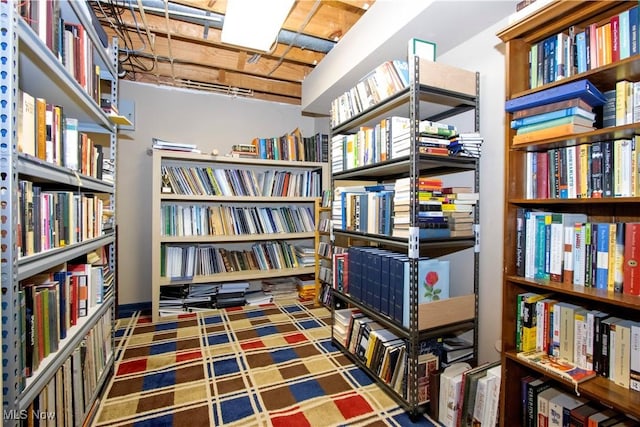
(240, 275)
(435, 92)
(597, 388)
(78, 354)
(246, 173)
(519, 38)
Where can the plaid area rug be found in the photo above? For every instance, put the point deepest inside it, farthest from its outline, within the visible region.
(271, 365)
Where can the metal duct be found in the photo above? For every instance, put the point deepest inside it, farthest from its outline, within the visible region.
(215, 20)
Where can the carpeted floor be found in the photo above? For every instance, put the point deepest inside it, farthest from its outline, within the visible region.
(271, 365)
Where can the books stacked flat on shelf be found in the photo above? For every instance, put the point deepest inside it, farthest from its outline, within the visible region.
(231, 294)
(457, 348)
(281, 287)
(306, 286)
(466, 145)
(306, 255)
(431, 222)
(343, 323)
(555, 123)
(458, 208)
(258, 297)
(160, 144)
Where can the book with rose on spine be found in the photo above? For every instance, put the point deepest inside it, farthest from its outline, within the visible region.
(433, 282)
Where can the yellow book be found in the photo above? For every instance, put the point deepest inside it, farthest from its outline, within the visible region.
(583, 158)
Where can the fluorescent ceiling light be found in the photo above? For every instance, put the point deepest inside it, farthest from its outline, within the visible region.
(254, 23)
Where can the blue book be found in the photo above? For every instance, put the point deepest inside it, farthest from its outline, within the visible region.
(402, 67)
(396, 286)
(433, 283)
(624, 41)
(581, 51)
(384, 283)
(577, 89)
(602, 254)
(543, 117)
(633, 31)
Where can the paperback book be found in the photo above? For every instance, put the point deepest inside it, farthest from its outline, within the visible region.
(558, 366)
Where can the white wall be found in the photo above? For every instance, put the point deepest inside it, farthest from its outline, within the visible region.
(484, 54)
(205, 119)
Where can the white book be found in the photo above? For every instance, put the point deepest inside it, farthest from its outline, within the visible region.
(543, 405)
(634, 362)
(493, 396)
(560, 407)
(481, 398)
(622, 353)
(579, 254)
(447, 382)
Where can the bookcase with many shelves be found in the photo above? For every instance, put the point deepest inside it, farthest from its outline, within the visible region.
(58, 208)
(565, 19)
(230, 219)
(324, 250)
(435, 92)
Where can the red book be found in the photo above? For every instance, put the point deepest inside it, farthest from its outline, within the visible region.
(73, 300)
(542, 175)
(631, 272)
(615, 38)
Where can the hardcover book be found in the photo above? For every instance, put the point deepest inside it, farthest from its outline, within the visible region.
(583, 89)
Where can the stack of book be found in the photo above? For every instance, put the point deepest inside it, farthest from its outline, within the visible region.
(176, 299)
(281, 287)
(555, 112)
(159, 144)
(458, 209)
(457, 348)
(306, 255)
(306, 286)
(231, 294)
(431, 223)
(466, 145)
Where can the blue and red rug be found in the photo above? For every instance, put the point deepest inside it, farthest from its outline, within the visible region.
(270, 365)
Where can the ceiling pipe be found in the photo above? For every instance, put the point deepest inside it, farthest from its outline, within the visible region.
(216, 20)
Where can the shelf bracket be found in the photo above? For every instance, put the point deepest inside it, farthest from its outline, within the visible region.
(414, 242)
(476, 235)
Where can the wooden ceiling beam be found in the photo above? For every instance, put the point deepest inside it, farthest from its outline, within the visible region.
(210, 36)
(221, 77)
(206, 55)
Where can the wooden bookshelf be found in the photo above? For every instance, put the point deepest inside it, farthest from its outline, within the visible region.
(242, 208)
(556, 17)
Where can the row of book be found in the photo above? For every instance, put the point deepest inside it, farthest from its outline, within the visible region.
(467, 396)
(46, 133)
(224, 220)
(186, 261)
(586, 47)
(379, 279)
(382, 82)
(388, 139)
(67, 40)
(51, 304)
(577, 343)
(593, 170)
(292, 146)
(566, 247)
(68, 396)
(546, 405)
(207, 181)
(383, 352)
(54, 219)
